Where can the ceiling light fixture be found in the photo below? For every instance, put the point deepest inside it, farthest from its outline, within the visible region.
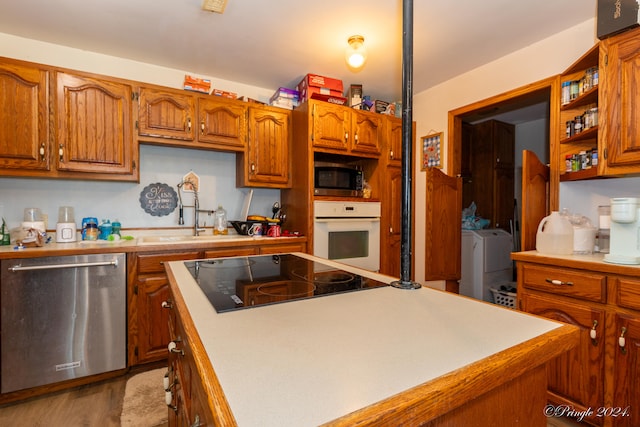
(356, 53)
(214, 5)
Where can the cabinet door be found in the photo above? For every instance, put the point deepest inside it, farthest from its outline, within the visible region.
(394, 140)
(577, 377)
(443, 205)
(152, 318)
(391, 227)
(94, 125)
(166, 114)
(267, 159)
(535, 197)
(223, 123)
(24, 117)
(330, 126)
(367, 132)
(620, 105)
(503, 198)
(626, 371)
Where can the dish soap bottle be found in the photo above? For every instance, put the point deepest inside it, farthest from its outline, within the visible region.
(220, 221)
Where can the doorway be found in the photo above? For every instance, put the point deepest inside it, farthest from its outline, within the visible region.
(528, 110)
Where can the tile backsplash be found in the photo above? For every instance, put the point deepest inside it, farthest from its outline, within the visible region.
(119, 200)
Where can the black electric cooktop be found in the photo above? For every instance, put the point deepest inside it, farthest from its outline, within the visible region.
(244, 282)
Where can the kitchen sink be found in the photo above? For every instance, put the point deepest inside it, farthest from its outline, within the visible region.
(181, 238)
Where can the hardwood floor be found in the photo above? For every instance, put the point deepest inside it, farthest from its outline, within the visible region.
(98, 404)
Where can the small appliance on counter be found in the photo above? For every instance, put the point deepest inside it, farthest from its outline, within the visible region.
(66, 226)
(625, 227)
(33, 219)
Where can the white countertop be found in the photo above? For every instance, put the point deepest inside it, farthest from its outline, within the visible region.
(308, 362)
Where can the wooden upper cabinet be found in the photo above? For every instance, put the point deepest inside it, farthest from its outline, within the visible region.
(343, 130)
(24, 118)
(165, 113)
(330, 126)
(620, 105)
(94, 126)
(222, 123)
(367, 132)
(394, 140)
(266, 162)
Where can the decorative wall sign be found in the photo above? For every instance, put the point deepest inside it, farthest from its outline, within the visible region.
(158, 199)
(191, 182)
(431, 151)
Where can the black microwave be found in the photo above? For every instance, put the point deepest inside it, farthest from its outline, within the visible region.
(337, 179)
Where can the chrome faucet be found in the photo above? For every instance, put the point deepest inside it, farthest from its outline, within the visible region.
(196, 209)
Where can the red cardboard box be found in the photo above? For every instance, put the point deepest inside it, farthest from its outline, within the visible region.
(225, 94)
(332, 99)
(197, 84)
(313, 83)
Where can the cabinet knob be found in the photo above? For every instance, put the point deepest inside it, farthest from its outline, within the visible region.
(593, 333)
(61, 152)
(173, 348)
(202, 127)
(346, 136)
(189, 123)
(558, 282)
(168, 399)
(167, 304)
(42, 152)
(196, 421)
(621, 341)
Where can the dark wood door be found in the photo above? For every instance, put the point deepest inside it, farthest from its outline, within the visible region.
(443, 209)
(535, 197)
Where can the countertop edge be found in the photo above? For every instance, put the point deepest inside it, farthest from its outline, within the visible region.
(64, 249)
(465, 384)
(593, 262)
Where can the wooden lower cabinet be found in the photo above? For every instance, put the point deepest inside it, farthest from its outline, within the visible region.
(186, 393)
(577, 377)
(600, 376)
(625, 387)
(149, 288)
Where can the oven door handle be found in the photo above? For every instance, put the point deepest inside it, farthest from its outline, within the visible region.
(350, 219)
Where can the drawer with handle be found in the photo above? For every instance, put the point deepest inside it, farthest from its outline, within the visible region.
(575, 283)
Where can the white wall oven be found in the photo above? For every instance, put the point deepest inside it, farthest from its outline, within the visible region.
(348, 232)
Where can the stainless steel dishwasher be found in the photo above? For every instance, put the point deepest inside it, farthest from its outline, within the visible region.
(61, 318)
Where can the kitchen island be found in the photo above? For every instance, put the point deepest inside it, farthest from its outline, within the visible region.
(380, 356)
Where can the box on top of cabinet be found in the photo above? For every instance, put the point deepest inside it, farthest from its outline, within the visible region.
(313, 83)
(616, 16)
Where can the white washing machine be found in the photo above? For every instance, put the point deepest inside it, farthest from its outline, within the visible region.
(486, 262)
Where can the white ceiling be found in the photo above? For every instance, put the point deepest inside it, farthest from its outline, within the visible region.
(274, 43)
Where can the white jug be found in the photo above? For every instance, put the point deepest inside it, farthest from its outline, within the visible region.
(555, 235)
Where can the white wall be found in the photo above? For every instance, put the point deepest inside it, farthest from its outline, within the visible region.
(113, 200)
(538, 61)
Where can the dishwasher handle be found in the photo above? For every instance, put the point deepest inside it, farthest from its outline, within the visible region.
(19, 267)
